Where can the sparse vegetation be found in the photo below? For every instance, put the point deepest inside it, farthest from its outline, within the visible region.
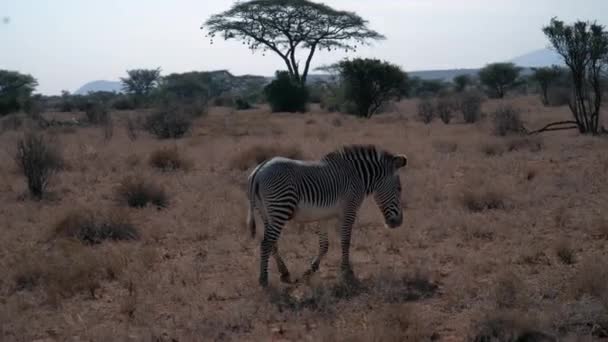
(39, 158)
(483, 198)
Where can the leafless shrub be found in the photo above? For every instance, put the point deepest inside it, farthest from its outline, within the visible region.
(108, 128)
(39, 159)
(138, 192)
(336, 122)
(469, 104)
(259, 153)
(445, 107)
(533, 144)
(11, 122)
(507, 121)
(169, 159)
(92, 227)
(398, 322)
(426, 110)
(168, 123)
(559, 96)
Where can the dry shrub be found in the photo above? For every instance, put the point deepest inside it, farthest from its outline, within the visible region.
(507, 326)
(92, 227)
(398, 322)
(507, 120)
(492, 149)
(533, 144)
(39, 158)
(168, 123)
(482, 198)
(559, 96)
(11, 122)
(469, 104)
(137, 192)
(445, 107)
(591, 279)
(169, 159)
(336, 122)
(565, 252)
(601, 228)
(259, 153)
(426, 110)
(414, 286)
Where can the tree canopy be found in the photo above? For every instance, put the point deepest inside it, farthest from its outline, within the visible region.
(370, 83)
(499, 77)
(15, 90)
(140, 82)
(285, 26)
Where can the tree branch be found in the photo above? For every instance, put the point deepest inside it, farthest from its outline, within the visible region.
(551, 127)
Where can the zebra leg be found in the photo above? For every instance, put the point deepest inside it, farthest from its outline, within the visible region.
(346, 228)
(280, 264)
(272, 232)
(323, 248)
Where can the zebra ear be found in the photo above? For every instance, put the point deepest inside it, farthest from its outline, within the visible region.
(400, 161)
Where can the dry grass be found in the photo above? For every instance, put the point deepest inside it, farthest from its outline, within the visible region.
(454, 271)
(254, 155)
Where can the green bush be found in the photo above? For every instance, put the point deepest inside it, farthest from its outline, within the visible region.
(286, 95)
(15, 90)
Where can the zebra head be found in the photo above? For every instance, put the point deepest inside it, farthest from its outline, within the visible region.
(387, 192)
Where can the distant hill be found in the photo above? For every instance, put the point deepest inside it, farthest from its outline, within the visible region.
(538, 58)
(101, 85)
(533, 59)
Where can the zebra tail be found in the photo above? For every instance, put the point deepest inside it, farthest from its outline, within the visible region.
(252, 194)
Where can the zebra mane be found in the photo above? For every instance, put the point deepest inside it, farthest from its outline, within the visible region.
(350, 152)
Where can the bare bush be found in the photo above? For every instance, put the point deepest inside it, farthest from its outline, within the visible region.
(533, 144)
(92, 228)
(259, 153)
(507, 120)
(169, 159)
(138, 192)
(507, 326)
(591, 279)
(492, 149)
(426, 110)
(39, 159)
(469, 104)
(559, 96)
(445, 107)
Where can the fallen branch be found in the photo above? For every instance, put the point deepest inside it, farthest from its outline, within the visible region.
(551, 127)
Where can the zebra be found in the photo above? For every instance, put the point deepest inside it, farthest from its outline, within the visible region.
(335, 186)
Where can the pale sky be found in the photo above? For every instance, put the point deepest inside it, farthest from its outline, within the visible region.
(66, 43)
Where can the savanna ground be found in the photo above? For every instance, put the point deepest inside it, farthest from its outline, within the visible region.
(502, 236)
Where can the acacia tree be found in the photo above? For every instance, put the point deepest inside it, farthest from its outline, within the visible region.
(584, 47)
(140, 82)
(462, 82)
(370, 83)
(15, 90)
(499, 77)
(286, 26)
(546, 76)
